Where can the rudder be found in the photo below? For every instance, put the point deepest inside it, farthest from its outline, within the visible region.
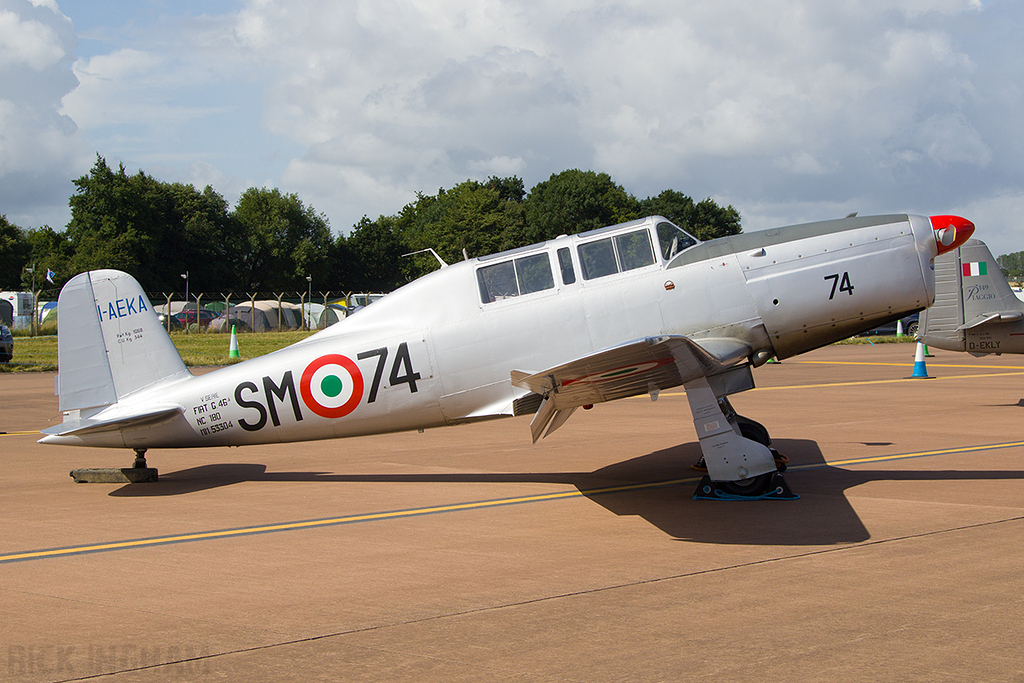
(110, 342)
(970, 292)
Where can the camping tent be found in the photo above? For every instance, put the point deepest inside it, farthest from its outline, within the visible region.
(318, 316)
(244, 317)
(285, 317)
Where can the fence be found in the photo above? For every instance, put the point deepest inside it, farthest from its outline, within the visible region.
(251, 311)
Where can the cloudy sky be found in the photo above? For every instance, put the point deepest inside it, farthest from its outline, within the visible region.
(790, 110)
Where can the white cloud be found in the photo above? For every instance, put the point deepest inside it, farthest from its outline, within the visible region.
(130, 87)
(951, 139)
(996, 218)
(501, 166)
(27, 41)
(39, 148)
(788, 109)
(781, 103)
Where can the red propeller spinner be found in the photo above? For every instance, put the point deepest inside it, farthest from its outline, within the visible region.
(951, 231)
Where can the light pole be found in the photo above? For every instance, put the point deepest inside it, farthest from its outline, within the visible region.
(32, 320)
(184, 276)
(309, 301)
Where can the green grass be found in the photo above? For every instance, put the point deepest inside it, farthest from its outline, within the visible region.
(212, 349)
(38, 354)
(32, 354)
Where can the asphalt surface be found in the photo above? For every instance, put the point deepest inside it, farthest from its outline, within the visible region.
(468, 554)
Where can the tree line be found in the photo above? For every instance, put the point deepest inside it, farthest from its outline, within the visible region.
(1012, 265)
(271, 241)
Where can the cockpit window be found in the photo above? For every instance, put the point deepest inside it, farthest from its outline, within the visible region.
(514, 278)
(565, 263)
(534, 273)
(634, 249)
(597, 259)
(673, 240)
(615, 254)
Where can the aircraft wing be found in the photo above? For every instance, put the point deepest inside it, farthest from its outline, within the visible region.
(640, 367)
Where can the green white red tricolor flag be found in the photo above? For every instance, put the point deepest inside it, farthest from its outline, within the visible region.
(975, 268)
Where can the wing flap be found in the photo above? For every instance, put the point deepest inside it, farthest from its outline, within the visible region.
(645, 366)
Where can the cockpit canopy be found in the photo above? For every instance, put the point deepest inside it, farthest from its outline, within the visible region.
(600, 253)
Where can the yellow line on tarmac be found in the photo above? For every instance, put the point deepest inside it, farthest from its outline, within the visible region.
(905, 456)
(907, 365)
(455, 507)
(19, 433)
(889, 381)
(334, 521)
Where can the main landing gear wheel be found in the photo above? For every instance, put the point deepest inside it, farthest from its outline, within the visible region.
(748, 488)
(767, 486)
(755, 431)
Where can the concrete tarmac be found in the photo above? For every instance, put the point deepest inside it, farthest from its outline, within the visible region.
(468, 554)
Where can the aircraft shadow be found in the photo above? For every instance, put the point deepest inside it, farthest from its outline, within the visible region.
(822, 516)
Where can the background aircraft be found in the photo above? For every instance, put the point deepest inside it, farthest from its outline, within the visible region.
(581, 319)
(975, 310)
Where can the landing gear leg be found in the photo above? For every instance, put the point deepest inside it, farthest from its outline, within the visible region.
(140, 459)
(749, 429)
(737, 451)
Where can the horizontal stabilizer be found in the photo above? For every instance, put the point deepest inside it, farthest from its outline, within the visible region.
(116, 421)
(1000, 317)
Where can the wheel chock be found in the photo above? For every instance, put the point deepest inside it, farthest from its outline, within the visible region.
(114, 475)
(777, 489)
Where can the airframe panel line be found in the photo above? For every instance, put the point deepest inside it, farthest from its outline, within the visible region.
(455, 507)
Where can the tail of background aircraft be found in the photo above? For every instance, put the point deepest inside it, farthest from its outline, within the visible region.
(111, 343)
(973, 303)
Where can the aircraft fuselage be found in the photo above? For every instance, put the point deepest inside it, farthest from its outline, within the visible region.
(439, 351)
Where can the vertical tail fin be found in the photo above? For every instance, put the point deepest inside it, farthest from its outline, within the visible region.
(110, 342)
(970, 291)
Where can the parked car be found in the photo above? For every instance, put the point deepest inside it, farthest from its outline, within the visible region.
(175, 324)
(6, 344)
(889, 329)
(189, 316)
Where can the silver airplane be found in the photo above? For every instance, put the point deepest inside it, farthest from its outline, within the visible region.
(975, 310)
(621, 311)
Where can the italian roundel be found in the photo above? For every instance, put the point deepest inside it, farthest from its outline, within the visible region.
(332, 386)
